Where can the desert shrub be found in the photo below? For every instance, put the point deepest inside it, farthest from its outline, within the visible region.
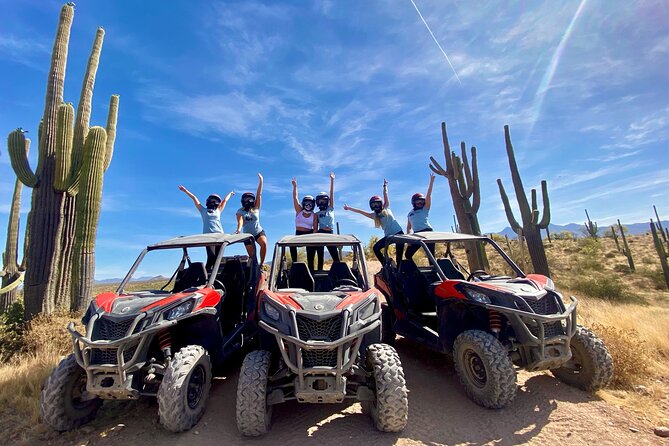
(622, 268)
(603, 286)
(655, 275)
(369, 251)
(498, 238)
(630, 353)
(563, 235)
(610, 254)
(647, 260)
(12, 326)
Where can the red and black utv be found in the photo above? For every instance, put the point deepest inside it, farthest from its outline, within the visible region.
(159, 342)
(320, 337)
(490, 321)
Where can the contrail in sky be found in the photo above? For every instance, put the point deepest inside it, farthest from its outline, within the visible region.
(552, 67)
(435, 41)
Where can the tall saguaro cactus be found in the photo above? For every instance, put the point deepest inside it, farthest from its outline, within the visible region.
(626, 248)
(659, 247)
(463, 182)
(11, 269)
(56, 180)
(590, 226)
(532, 225)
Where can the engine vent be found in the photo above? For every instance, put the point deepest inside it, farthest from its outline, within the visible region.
(315, 330)
(108, 356)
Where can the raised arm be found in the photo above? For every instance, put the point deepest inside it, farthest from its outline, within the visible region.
(196, 202)
(225, 201)
(359, 211)
(386, 200)
(428, 197)
(259, 192)
(332, 202)
(296, 202)
(239, 223)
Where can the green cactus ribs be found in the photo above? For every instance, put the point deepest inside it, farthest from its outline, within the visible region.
(532, 225)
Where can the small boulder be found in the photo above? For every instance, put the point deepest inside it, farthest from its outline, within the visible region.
(662, 431)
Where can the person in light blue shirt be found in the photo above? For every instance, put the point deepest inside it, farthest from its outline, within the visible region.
(326, 223)
(383, 218)
(248, 220)
(417, 219)
(211, 218)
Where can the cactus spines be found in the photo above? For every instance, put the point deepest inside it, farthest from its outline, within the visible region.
(88, 212)
(63, 146)
(463, 183)
(590, 226)
(626, 248)
(659, 247)
(531, 224)
(16, 147)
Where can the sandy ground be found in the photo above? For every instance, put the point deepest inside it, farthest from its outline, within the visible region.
(545, 411)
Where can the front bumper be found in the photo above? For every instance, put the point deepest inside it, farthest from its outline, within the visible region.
(541, 351)
(114, 381)
(320, 384)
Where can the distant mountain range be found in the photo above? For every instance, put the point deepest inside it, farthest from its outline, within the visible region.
(578, 230)
(134, 279)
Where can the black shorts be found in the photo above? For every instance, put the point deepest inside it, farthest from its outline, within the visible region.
(248, 242)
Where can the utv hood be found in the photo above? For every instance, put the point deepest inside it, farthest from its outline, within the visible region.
(132, 303)
(524, 288)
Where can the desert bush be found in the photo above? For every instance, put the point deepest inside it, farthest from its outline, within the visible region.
(369, 251)
(563, 235)
(630, 353)
(655, 275)
(603, 286)
(12, 326)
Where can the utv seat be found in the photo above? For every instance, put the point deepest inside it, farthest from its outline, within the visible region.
(299, 276)
(415, 287)
(449, 269)
(192, 276)
(233, 278)
(340, 271)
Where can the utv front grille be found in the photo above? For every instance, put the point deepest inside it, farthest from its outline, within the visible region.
(320, 357)
(546, 305)
(109, 330)
(108, 356)
(314, 330)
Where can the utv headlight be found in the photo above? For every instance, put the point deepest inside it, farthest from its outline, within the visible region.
(271, 311)
(477, 296)
(366, 310)
(549, 284)
(180, 310)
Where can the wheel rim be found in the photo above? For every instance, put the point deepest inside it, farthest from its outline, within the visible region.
(196, 387)
(475, 368)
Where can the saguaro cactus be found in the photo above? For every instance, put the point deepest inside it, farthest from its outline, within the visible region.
(590, 226)
(626, 248)
(615, 237)
(11, 271)
(56, 179)
(531, 227)
(463, 183)
(661, 230)
(659, 247)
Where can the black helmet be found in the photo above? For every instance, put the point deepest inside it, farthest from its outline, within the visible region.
(308, 203)
(322, 201)
(416, 200)
(376, 203)
(248, 200)
(213, 201)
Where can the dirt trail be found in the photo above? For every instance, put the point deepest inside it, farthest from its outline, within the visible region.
(544, 412)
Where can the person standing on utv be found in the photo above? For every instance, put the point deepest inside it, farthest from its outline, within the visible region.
(384, 219)
(248, 220)
(211, 218)
(325, 214)
(417, 219)
(306, 222)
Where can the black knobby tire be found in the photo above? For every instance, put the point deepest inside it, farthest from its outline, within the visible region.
(184, 391)
(484, 369)
(390, 410)
(591, 365)
(253, 414)
(387, 319)
(60, 400)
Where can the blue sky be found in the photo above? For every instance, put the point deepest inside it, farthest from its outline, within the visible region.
(213, 92)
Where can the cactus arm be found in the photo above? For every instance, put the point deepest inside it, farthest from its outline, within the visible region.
(436, 167)
(112, 117)
(447, 150)
(63, 146)
(17, 146)
(507, 209)
(476, 193)
(523, 205)
(546, 218)
(467, 171)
